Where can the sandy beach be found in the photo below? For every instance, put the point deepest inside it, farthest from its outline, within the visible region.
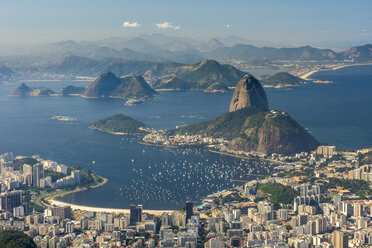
(106, 210)
(308, 74)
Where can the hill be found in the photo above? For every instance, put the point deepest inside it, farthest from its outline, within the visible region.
(24, 90)
(250, 129)
(71, 90)
(249, 52)
(282, 79)
(208, 75)
(359, 53)
(108, 85)
(120, 124)
(16, 239)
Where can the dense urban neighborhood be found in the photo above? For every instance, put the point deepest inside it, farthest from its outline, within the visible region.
(317, 199)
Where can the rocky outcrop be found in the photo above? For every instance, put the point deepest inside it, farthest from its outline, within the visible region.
(108, 85)
(103, 86)
(249, 93)
(273, 132)
(24, 90)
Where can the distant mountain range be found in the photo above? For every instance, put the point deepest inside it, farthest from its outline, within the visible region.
(162, 48)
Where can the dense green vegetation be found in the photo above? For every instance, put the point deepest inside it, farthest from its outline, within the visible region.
(358, 187)
(71, 90)
(174, 83)
(226, 126)
(120, 123)
(208, 75)
(281, 79)
(251, 129)
(15, 239)
(55, 175)
(233, 197)
(309, 172)
(278, 193)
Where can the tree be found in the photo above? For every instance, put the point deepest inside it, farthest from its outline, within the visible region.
(15, 239)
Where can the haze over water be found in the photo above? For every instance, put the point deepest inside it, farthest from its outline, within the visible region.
(338, 114)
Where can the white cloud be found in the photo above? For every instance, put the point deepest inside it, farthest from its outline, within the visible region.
(227, 25)
(131, 25)
(166, 25)
(363, 30)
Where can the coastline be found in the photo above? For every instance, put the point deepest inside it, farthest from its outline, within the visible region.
(51, 200)
(114, 133)
(49, 197)
(308, 74)
(107, 210)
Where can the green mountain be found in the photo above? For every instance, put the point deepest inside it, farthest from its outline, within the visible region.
(120, 124)
(71, 90)
(108, 85)
(250, 129)
(282, 79)
(208, 75)
(249, 52)
(24, 90)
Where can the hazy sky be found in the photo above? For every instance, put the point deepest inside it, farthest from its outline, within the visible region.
(316, 22)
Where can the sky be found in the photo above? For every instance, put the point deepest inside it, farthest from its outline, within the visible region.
(330, 23)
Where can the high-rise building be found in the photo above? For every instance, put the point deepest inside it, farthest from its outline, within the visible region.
(37, 174)
(189, 210)
(135, 214)
(10, 200)
(340, 239)
(27, 174)
(62, 212)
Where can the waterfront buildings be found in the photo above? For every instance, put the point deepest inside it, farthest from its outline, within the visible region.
(135, 214)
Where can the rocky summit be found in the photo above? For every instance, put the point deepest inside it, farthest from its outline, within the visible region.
(109, 85)
(249, 93)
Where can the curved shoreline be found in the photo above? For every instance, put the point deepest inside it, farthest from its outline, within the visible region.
(52, 201)
(308, 74)
(106, 210)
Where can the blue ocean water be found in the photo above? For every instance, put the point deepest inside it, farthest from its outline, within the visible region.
(339, 114)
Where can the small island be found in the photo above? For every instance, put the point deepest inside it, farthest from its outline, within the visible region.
(132, 89)
(121, 124)
(24, 90)
(282, 80)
